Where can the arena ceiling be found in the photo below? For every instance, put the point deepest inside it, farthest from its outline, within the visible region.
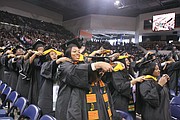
(76, 8)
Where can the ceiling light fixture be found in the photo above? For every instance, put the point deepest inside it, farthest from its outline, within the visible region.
(118, 4)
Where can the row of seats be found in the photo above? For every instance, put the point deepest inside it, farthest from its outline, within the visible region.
(33, 112)
(175, 107)
(12, 101)
(27, 111)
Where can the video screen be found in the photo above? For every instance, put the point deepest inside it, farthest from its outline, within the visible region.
(163, 22)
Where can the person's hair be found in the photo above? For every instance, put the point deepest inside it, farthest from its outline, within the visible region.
(48, 57)
(125, 71)
(149, 68)
(67, 52)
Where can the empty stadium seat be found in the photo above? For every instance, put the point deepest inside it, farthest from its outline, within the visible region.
(125, 115)
(32, 112)
(175, 107)
(11, 98)
(47, 117)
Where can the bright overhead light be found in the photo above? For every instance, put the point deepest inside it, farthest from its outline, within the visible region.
(118, 4)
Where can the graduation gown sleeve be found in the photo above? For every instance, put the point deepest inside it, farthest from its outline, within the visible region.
(121, 84)
(1, 70)
(154, 101)
(151, 93)
(176, 65)
(48, 69)
(75, 75)
(45, 100)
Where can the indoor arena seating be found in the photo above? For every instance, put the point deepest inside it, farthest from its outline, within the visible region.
(32, 23)
(151, 45)
(2, 87)
(32, 112)
(175, 107)
(10, 100)
(18, 107)
(125, 115)
(5, 94)
(26, 30)
(47, 117)
(15, 28)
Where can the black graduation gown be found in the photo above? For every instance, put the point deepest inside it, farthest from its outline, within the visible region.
(23, 84)
(121, 90)
(1, 71)
(74, 85)
(154, 101)
(45, 100)
(4, 61)
(14, 72)
(173, 70)
(36, 80)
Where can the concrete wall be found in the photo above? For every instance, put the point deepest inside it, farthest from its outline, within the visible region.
(113, 22)
(77, 24)
(100, 22)
(20, 7)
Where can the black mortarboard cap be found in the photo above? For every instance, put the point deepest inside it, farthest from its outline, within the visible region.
(66, 45)
(47, 47)
(147, 63)
(147, 67)
(17, 47)
(38, 43)
(99, 58)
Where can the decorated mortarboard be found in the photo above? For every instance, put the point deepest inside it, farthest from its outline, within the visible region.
(50, 50)
(67, 44)
(17, 47)
(38, 43)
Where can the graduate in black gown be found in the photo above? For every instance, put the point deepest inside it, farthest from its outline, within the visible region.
(24, 77)
(172, 68)
(1, 71)
(8, 54)
(123, 87)
(1, 66)
(154, 95)
(36, 61)
(48, 73)
(14, 65)
(79, 96)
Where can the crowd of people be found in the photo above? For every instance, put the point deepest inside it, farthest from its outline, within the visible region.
(27, 31)
(90, 86)
(94, 79)
(159, 45)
